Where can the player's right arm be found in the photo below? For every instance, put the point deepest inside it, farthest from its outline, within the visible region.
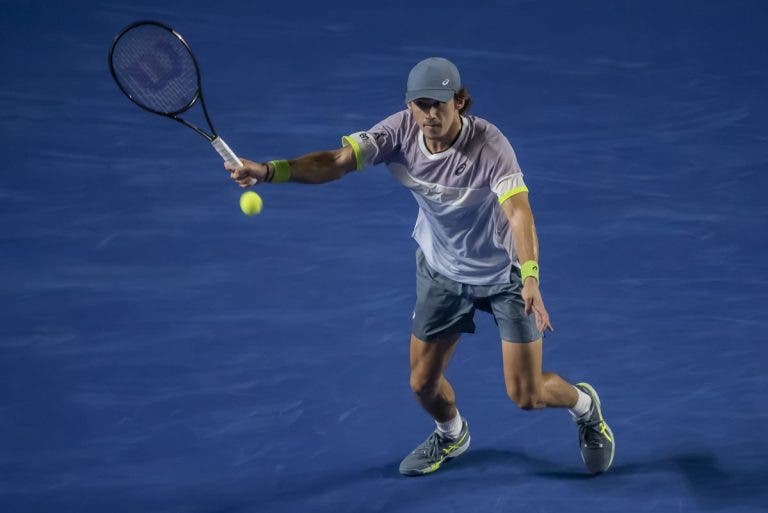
(313, 168)
(359, 150)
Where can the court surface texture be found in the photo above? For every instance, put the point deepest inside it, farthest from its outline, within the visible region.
(161, 352)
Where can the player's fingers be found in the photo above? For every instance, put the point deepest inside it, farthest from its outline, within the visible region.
(543, 318)
(241, 175)
(245, 181)
(539, 314)
(528, 305)
(543, 323)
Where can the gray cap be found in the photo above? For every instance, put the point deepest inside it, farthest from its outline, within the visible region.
(434, 78)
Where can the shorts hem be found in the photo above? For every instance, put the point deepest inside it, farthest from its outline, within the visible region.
(450, 330)
(508, 341)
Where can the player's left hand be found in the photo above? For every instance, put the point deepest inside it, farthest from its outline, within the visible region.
(534, 303)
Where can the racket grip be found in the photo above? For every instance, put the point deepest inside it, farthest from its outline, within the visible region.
(226, 152)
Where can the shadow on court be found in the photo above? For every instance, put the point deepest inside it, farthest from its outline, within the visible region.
(479, 471)
(712, 486)
(319, 490)
(520, 461)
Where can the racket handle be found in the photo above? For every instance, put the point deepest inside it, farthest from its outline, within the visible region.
(226, 152)
(228, 155)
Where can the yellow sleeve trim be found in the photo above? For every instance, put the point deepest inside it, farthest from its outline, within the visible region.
(349, 141)
(517, 190)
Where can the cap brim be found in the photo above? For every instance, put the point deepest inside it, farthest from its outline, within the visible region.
(441, 95)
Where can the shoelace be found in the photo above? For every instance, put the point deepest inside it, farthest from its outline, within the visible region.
(432, 447)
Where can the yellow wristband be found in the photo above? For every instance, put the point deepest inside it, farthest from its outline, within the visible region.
(530, 269)
(282, 171)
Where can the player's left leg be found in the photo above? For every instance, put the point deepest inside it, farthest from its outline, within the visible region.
(530, 388)
(527, 385)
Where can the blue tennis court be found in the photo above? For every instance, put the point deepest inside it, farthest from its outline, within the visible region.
(160, 351)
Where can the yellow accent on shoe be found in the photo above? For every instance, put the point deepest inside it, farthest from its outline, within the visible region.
(429, 456)
(603, 427)
(436, 465)
(605, 430)
(448, 450)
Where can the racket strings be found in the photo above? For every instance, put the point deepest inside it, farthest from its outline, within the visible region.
(155, 68)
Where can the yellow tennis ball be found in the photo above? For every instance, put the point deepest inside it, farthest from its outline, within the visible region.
(250, 203)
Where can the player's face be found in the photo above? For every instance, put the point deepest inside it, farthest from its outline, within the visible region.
(438, 121)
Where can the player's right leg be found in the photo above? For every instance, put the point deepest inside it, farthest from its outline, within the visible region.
(429, 361)
(441, 314)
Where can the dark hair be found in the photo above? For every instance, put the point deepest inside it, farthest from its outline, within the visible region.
(463, 94)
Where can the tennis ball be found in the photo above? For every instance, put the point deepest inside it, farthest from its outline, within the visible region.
(250, 203)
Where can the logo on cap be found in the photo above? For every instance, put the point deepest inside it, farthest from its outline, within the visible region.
(446, 81)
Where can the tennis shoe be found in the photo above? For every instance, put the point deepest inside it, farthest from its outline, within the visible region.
(595, 437)
(434, 451)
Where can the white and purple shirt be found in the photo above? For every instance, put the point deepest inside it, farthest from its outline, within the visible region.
(461, 227)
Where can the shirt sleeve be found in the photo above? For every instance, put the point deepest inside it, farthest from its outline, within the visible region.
(378, 144)
(506, 178)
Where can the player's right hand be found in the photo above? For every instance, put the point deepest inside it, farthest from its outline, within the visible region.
(534, 303)
(252, 173)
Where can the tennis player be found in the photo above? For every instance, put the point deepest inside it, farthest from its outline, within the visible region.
(477, 249)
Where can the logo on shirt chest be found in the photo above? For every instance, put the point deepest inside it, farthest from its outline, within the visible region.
(459, 170)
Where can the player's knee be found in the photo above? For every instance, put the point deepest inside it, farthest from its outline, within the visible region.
(423, 385)
(524, 397)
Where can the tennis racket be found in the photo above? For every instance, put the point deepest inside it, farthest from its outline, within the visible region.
(156, 69)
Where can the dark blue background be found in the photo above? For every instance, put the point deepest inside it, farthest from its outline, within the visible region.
(161, 352)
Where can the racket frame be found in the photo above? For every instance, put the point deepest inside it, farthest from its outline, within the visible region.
(198, 94)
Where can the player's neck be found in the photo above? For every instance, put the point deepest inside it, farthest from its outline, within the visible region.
(443, 143)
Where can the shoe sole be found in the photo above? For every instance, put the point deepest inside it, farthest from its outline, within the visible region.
(596, 398)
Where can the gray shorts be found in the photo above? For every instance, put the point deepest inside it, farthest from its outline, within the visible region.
(444, 306)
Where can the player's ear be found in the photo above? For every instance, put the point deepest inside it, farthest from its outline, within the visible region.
(458, 102)
(408, 105)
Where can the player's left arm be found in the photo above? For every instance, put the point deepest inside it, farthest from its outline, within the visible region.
(517, 208)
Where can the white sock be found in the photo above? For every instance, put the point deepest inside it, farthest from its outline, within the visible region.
(583, 403)
(451, 428)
